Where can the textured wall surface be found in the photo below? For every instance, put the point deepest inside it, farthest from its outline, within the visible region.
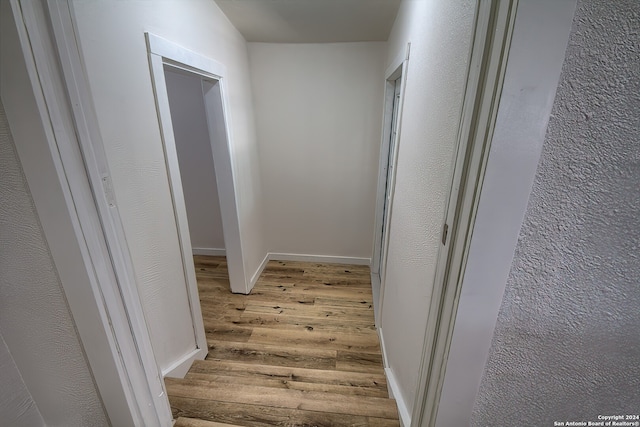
(428, 131)
(17, 408)
(566, 342)
(34, 318)
(318, 112)
(197, 172)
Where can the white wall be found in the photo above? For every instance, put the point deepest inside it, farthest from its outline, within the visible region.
(318, 116)
(111, 35)
(535, 60)
(17, 407)
(195, 158)
(440, 36)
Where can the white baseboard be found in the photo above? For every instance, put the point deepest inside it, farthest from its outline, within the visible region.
(179, 368)
(385, 364)
(319, 258)
(375, 289)
(405, 416)
(209, 251)
(285, 257)
(258, 272)
(392, 386)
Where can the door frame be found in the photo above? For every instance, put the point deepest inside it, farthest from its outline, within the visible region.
(163, 53)
(106, 306)
(397, 70)
(493, 28)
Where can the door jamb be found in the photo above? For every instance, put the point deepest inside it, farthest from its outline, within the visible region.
(163, 53)
(84, 173)
(397, 69)
(491, 40)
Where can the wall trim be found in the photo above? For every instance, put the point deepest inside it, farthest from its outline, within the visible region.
(179, 368)
(277, 256)
(375, 288)
(258, 272)
(392, 386)
(209, 251)
(386, 184)
(168, 49)
(329, 259)
(161, 53)
(394, 393)
(385, 364)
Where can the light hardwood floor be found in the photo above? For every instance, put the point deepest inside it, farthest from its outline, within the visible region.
(300, 350)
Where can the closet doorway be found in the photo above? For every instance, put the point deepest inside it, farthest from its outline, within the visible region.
(173, 65)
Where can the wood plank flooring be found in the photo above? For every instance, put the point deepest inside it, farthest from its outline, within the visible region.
(300, 350)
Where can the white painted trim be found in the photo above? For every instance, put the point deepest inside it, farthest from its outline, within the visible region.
(275, 256)
(209, 251)
(164, 53)
(395, 64)
(383, 348)
(385, 359)
(318, 258)
(389, 90)
(136, 378)
(180, 367)
(392, 385)
(259, 271)
(180, 55)
(375, 289)
(397, 69)
(490, 44)
(394, 393)
(218, 121)
(177, 198)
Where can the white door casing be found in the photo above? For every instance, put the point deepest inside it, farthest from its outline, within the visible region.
(395, 78)
(106, 307)
(163, 53)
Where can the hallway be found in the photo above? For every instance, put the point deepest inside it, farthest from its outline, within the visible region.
(301, 349)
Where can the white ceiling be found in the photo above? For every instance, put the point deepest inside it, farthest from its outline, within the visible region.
(311, 21)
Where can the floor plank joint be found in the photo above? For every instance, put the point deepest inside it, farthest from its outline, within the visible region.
(300, 350)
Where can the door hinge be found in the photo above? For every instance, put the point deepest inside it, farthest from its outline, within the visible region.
(445, 232)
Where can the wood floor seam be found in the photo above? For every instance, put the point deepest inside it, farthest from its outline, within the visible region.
(300, 350)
